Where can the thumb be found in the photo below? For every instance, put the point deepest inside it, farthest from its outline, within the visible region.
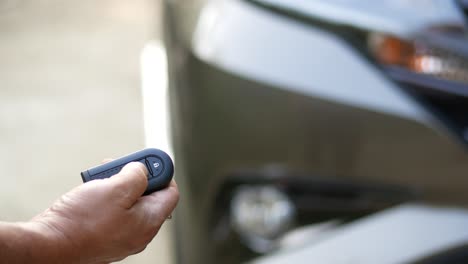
(130, 183)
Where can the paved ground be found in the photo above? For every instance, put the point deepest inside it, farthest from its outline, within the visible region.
(69, 97)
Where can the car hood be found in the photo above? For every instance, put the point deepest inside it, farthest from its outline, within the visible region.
(400, 17)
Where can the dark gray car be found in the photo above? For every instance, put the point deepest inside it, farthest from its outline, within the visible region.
(289, 114)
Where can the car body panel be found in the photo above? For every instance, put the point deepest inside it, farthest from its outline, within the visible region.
(251, 90)
(296, 57)
(400, 17)
(403, 234)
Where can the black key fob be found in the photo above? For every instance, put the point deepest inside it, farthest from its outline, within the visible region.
(158, 163)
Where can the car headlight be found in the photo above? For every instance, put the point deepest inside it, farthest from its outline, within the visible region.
(428, 59)
(435, 62)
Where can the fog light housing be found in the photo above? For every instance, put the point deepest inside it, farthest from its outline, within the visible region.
(261, 214)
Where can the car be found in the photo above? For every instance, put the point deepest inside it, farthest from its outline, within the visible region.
(296, 122)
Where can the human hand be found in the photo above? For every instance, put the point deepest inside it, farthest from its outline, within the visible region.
(106, 220)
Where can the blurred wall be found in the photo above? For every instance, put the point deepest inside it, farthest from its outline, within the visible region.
(69, 96)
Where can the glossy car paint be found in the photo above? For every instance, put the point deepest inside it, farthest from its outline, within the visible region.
(400, 17)
(404, 234)
(250, 88)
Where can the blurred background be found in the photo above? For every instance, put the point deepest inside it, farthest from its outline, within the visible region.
(70, 96)
(299, 128)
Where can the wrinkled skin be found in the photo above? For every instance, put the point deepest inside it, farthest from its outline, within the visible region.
(100, 221)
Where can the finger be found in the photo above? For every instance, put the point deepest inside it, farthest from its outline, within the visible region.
(169, 196)
(159, 205)
(130, 183)
(106, 160)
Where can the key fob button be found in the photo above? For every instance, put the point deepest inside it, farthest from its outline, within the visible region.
(159, 164)
(155, 165)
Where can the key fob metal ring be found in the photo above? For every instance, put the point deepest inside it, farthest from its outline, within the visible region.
(159, 164)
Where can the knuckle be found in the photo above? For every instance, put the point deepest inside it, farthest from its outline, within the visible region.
(176, 193)
(139, 250)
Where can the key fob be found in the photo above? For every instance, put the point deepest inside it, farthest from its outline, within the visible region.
(159, 165)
